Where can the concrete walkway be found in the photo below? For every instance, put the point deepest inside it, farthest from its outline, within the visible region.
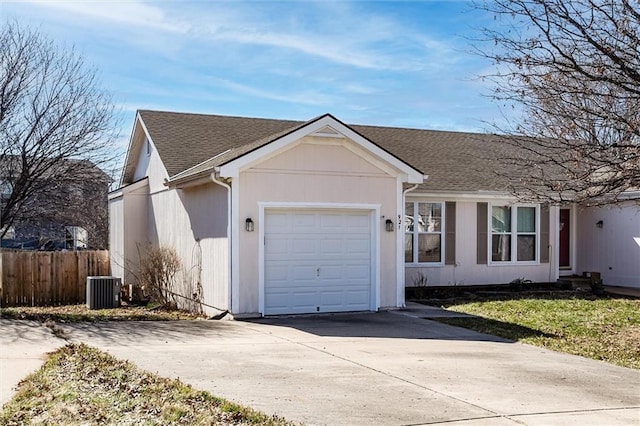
(391, 368)
(622, 291)
(23, 349)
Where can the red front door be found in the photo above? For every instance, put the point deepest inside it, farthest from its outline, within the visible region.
(565, 238)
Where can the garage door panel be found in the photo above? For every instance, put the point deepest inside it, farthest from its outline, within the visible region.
(358, 222)
(332, 299)
(331, 223)
(277, 273)
(301, 246)
(304, 298)
(304, 223)
(317, 261)
(330, 272)
(331, 246)
(360, 246)
(357, 272)
(277, 247)
(278, 222)
(281, 302)
(303, 273)
(277, 300)
(354, 298)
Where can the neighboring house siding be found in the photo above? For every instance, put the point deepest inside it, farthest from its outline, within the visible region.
(467, 270)
(611, 250)
(316, 171)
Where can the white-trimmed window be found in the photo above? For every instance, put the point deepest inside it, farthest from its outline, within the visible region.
(424, 227)
(514, 233)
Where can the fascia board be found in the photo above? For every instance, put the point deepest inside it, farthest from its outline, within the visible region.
(479, 196)
(113, 195)
(128, 188)
(130, 149)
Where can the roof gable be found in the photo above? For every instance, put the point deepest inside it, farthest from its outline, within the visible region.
(195, 144)
(323, 125)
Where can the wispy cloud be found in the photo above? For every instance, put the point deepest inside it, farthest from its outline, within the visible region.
(307, 98)
(131, 13)
(310, 45)
(350, 38)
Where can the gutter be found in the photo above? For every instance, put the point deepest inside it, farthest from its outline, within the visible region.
(191, 180)
(406, 191)
(225, 185)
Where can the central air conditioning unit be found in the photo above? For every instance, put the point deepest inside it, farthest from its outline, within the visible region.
(103, 292)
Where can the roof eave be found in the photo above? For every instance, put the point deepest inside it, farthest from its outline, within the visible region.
(195, 179)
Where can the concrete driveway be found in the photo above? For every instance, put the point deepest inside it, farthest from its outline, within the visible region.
(375, 368)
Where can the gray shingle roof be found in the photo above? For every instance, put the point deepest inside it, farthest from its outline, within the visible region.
(185, 140)
(455, 161)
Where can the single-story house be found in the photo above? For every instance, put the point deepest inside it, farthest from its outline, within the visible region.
(284, 217)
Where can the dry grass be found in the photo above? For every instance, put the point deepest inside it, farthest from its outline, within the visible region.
(80, 313)
(80, 385)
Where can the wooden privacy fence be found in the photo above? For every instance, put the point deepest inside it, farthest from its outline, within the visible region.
(48, 278)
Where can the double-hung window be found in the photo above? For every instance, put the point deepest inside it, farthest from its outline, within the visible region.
(514, 233)
(423, 232)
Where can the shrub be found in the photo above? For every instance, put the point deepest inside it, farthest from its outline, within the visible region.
(159, 267)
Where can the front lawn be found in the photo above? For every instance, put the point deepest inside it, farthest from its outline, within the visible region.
(606, 329)
(80, 385)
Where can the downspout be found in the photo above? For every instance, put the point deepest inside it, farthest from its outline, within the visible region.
(400, 242)
(229, 239)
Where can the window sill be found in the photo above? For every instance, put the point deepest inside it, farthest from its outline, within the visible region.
(424, 265)
(506, 263)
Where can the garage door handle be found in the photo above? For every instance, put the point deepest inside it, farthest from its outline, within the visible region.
(318, 272)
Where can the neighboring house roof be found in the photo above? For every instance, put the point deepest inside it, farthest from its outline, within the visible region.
(189, 144)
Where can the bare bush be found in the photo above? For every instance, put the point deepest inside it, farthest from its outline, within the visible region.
(158, 274)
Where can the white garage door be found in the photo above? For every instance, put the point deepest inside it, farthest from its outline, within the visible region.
(317, 261)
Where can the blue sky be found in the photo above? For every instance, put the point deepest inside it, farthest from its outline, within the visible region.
(367, 62)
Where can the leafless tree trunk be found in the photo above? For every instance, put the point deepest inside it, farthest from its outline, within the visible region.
(56, 124)
(572, 67)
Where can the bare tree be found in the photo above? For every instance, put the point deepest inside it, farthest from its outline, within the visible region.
(80, 201)
(572, 67)
(56, 124)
